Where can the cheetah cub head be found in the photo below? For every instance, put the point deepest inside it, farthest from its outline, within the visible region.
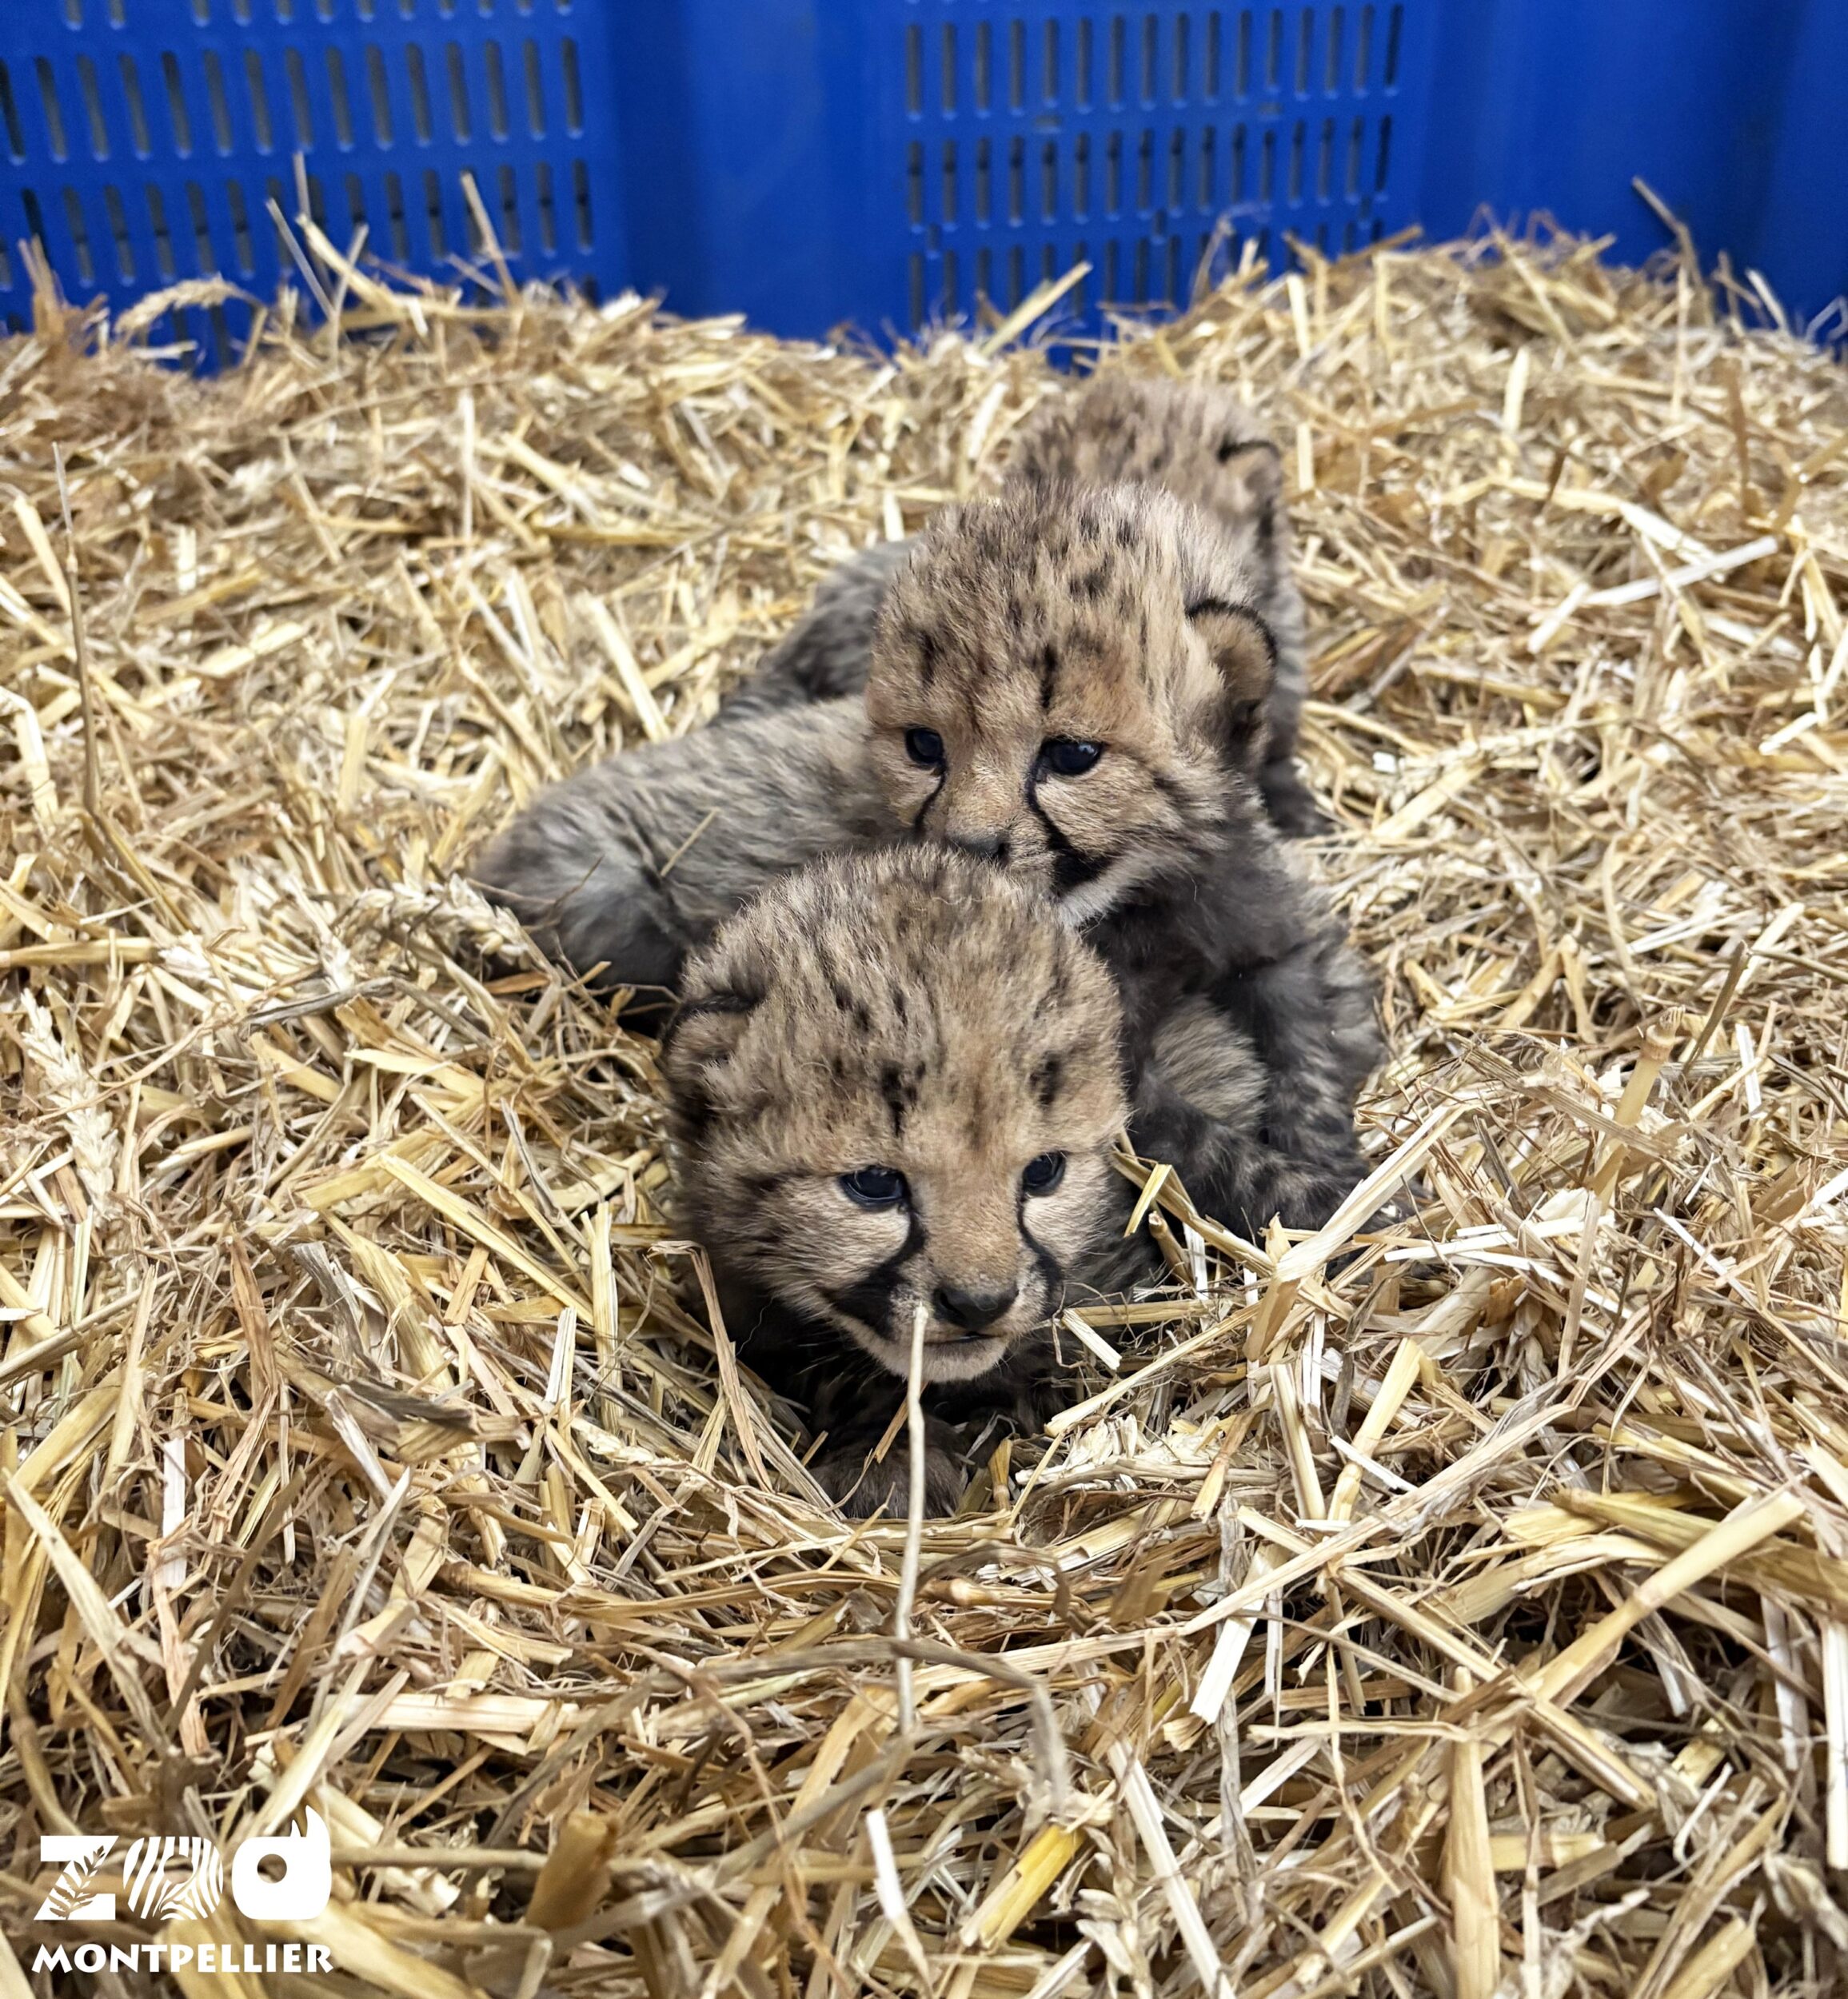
(1193, 439)
(894, 1080)
(1070, 681)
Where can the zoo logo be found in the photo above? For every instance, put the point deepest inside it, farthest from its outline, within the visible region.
(182, 1875)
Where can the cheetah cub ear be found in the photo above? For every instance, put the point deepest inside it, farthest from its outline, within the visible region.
(712, 1018)
(720, 1011)
(1252, 480)
(1245, 656)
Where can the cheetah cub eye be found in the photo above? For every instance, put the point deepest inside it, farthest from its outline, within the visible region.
(1064, 757)
(924, 746)
(1042, 1175)
(878, 1186)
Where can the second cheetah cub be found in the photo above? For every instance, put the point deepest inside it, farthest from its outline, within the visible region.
(1071, 682)
(893, 1085)
(1194, 440)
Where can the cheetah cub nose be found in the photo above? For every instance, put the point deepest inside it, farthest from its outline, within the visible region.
(972, 1308)
(984, 846)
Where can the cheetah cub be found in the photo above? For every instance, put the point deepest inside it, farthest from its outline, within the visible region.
(893, 1083)
(1072, 683)
(1194, 440)
(1020, 640)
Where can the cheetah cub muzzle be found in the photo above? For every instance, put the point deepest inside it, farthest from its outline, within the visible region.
(893, 1085)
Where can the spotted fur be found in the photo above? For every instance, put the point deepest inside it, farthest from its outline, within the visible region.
(1198, 441)
(1112, 617)
(1162, 853)
(1249, 1088)
(909, 1010)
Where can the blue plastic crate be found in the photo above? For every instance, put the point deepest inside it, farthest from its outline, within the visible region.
(145, 141)
(1729, 110)
(884, 162)
(1149, 143)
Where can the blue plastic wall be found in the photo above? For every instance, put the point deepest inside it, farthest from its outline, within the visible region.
(1732, 110)
(891, 161)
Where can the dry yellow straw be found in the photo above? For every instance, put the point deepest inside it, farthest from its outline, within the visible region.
(347, 1328)
(914, 1513)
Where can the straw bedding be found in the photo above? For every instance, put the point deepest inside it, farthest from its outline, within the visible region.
(1468, 1615)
